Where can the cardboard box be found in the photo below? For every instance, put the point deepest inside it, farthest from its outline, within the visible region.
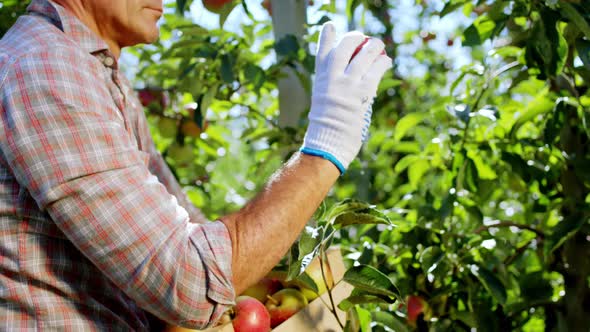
(317, 316)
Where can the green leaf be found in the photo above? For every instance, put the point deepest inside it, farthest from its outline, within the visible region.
(255, 75)
(491, 283)
(563, 231)
(416, 172)
(451, 6)
(464, 316)
(406, 123)
(405, 162)
(355, 212)
(390, 321)
(569, 11)
(388, 83)
(206, 101)
(362, 217)
(350, 7)
(430, 258)
(520, 166)
(307, 281)
(358, 320)
(307, 249)
(288, 46)
(353, 300)
(364, 319)
(246, 10)
(344, 206)
(484, 171)
(583, 48)
(481, 29)
(555, 122)
(226, 70)
(225, 11)
(470, 176)
(546, 47)
(471, 36)
(180, 6)
(353, 323)
(541, 104)
(535, 288)
(371, 280)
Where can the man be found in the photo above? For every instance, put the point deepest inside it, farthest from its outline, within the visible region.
(94, 231)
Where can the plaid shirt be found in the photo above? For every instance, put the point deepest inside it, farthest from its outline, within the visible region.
(94, 230)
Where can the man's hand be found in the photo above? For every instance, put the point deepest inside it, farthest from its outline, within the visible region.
(343, 94)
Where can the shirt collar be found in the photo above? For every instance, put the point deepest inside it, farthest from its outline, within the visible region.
(69, 24)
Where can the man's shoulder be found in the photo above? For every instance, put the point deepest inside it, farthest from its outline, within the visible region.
(32, 36)
(35, 44)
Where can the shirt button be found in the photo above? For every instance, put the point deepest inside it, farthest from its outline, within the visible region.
(108, 61)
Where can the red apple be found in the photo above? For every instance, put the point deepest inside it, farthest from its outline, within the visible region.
(427, 36)
(250, 315)
(192, 129)
(268, 6)
(284, 304)
(216, 6)
(416, 306)
(263, 288)
(153, 98)
(145, 97)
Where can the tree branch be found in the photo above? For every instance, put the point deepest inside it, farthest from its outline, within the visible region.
(510, 224)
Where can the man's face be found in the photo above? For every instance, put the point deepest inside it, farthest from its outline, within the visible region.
(127, 22)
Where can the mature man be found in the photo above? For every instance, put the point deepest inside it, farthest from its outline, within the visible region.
(94, 230)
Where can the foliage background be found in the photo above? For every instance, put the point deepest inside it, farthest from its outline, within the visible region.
(477, 159)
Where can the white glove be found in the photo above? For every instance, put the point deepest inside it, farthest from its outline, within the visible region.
(343, 94)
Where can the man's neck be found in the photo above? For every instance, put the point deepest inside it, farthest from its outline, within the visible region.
(85, 16)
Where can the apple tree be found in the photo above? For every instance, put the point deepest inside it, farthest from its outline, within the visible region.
(468, 206)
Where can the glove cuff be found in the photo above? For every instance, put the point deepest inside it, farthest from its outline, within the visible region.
(323, 140)
(325, 155)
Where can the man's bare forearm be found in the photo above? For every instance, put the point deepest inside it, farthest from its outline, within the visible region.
(266, 227)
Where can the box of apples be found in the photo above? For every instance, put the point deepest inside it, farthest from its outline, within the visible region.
(289, 306)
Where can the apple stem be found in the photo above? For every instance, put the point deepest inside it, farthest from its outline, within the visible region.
(272, 300)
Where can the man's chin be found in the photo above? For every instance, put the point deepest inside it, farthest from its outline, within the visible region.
(148, 37)
(153, 38)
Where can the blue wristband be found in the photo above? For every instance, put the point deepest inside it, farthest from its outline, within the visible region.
(325, 155)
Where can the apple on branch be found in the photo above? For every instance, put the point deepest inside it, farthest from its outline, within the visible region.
(284, 304)
(416, 306)
(216, 6)
(155, 99)
(314, 272)
(263, 288)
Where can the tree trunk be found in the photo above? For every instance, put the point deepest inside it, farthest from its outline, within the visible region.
(575, 254)
(289, 17)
